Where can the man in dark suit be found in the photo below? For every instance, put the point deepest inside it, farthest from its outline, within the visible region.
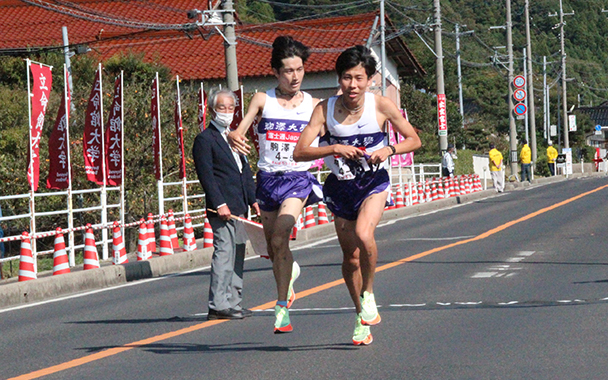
(229, 189)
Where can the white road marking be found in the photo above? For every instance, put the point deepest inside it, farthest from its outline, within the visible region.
(484, 274)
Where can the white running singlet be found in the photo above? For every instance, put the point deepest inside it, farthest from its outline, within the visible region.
(278, 132)
(365, 134)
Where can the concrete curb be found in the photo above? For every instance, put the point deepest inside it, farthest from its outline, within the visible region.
(48, 287)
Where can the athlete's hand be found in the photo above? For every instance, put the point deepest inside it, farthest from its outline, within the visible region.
(348, 152)
(239, 142)
(379, 156)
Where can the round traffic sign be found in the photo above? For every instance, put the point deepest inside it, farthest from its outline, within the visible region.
(520, 109)
(519, 94)
(519, 81)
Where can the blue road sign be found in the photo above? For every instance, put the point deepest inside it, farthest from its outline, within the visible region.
(520, 109)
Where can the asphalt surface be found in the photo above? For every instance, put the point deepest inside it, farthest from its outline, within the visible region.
(510, 287)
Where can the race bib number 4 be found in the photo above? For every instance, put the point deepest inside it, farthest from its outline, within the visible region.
(281, 146)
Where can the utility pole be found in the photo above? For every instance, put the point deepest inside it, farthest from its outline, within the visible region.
(563, 54)
(441, 101)
(526, 124)
(460, 101)
(66, 55)
(546, 121)
(232, 76)
(512, 130)
(531, 108)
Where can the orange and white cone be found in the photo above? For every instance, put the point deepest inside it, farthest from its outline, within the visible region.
(434, 195)
(91, 260)
(478, 186)
(151, 234)
(399, 202)
(207, 234)
(310, 218)
(61, 264)
(414, 195)
(322, 214)
(166, 249)
(427, 191)
(142, 242)
(406, 197)
(189, 240)
(463, 189)
(173, 232)
(440, 192)
(119, 253)
(26, 260)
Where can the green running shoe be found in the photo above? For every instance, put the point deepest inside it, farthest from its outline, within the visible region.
(295, 273)
(282, 323)
(369, 311)
(362, 335)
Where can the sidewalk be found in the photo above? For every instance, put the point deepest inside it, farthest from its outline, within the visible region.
(13, 293)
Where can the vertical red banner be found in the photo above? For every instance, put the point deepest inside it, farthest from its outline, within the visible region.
(113, 138)
(395, 137)
(202, 109)
(92, 144)
(179, 131)
(154, 107)
(442, 116)
(59, 145)
(42, 81)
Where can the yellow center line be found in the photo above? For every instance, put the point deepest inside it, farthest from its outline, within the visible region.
(302, 294)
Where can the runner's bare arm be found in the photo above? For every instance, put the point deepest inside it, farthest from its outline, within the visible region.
(316, 127)
(387, 110)
(236, 138)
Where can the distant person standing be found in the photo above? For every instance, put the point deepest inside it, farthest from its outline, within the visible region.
(447, 162)
(498, 175)
(526, 161)
(551, 156)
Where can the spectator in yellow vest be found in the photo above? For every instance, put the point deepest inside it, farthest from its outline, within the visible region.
(526, 161)
(498, 175)
(551, 156)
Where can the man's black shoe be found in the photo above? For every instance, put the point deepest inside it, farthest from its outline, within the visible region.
(246, 313)
(225, 314)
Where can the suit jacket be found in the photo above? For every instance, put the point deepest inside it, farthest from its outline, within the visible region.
(219, 174)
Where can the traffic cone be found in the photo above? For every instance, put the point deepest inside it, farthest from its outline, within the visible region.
(434, 195)
(427, 191)
(60, 257)
(151, 235)
(26, 260)
(453, 187)
(407, 201)
(91, 260)
(414, 195)
(478, 186)
(142, 242)
(310, 218)
(207, 234)
(166, 248)
(322, 214)
(463, 189)
(296, 227)
(399, 202)
(173, 231)
(189, 240)
(118, 246)
(440, 192)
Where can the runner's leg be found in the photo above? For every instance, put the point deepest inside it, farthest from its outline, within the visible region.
(369, 216)
(351, 269)
(278, 242)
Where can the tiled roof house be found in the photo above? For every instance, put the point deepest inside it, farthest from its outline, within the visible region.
(162, 32)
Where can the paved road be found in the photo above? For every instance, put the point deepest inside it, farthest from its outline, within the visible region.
(511, 287)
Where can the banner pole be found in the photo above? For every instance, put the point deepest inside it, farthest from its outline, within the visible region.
(66, 94)
(160, 186)
(104, 201)
(179, 111)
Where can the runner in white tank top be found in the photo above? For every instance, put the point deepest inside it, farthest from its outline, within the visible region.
(283, 185)
(353, 142)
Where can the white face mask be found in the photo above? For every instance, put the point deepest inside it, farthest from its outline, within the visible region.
(224, 119)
